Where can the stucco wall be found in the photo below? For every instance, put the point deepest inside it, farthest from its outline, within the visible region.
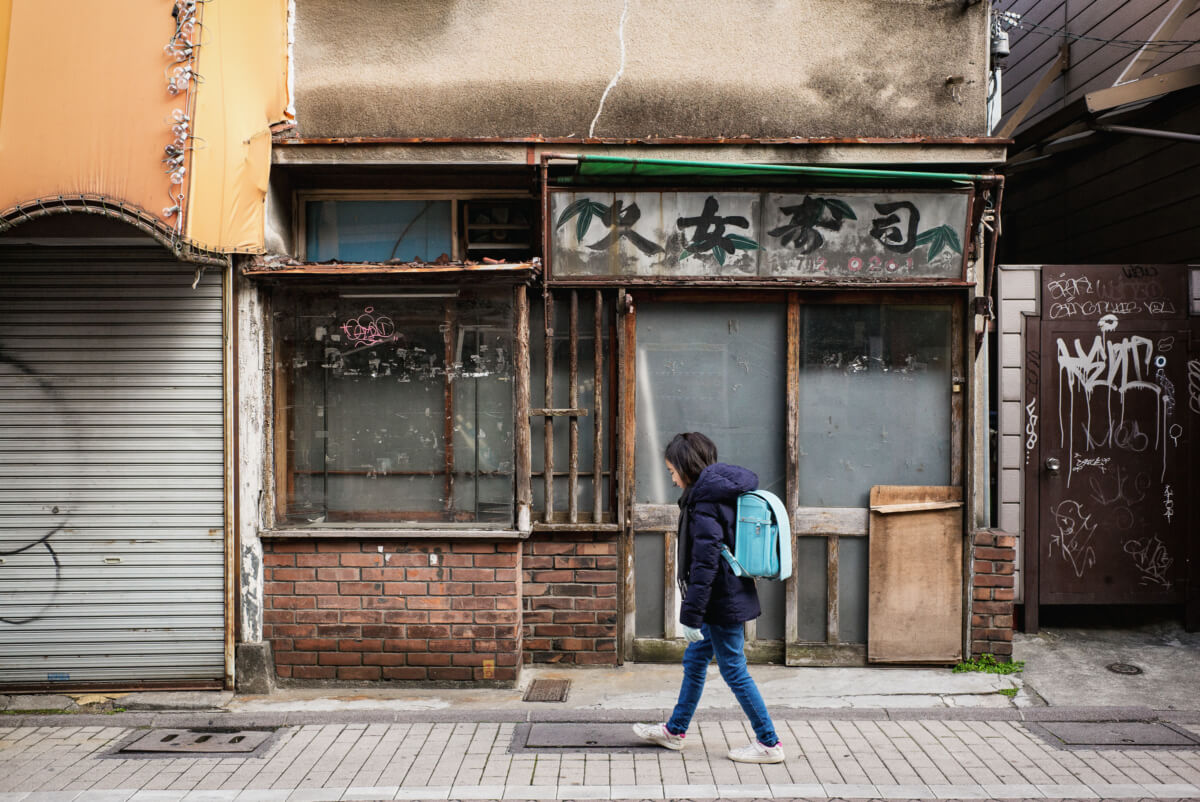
(762, 68)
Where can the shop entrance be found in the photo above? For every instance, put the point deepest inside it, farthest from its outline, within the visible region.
(823, 400)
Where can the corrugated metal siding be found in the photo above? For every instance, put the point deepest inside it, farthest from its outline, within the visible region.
(111, 504)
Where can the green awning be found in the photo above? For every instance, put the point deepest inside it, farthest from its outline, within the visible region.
(590, 166)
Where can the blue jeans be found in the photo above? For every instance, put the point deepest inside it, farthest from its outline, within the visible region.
(728, 644)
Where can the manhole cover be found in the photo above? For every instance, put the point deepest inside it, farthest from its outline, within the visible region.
(579, 736)
(1119, 734)
(547, 690)
(198, 741)
(1124, 668)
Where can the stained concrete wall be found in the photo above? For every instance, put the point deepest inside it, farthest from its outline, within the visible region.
(762, 68)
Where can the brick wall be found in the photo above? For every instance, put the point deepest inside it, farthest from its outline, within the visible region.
(993, 591)
(570, 599)
(382, 610)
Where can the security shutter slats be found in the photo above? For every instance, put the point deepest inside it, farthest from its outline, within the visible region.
(111, 468)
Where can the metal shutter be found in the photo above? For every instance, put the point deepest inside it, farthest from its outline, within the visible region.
(111, 469)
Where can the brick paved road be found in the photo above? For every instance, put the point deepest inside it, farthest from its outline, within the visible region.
(899, 759)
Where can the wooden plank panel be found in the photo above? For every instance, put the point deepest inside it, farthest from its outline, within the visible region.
(916, 578)
(820, 521)
(521, 437)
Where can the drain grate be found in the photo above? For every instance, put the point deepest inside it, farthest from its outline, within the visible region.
(172, 741)
(1116, 735)
(1129, 669)
(547, 690)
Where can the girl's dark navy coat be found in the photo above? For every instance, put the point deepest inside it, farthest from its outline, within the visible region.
(715, 595)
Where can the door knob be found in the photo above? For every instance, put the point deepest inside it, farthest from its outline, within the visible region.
(1053, 466)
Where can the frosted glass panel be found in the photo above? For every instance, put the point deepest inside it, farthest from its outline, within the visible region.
(853, 562)
(874, 400)
(649, 554)
(720, 369)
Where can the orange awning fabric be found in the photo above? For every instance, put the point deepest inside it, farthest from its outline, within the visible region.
(85, 112)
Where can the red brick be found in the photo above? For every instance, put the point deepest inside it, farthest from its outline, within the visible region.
(361, 560)
(360, 588)
(316, 616)
(360, 645)
(594, 631)
(981, 621)
(381, 574)
(981, 567)
(508, 603)
(596, 659)
(1004, 568)
(314, 672)
(426, 574)
(495, 589)
(473, 603)
(473, 574)
(405, 588)
(295, 658)
(574, 562)
(998, 634)
(385, 659)
(1005, 593)
(385, 602)
(982, 594)
(1006, 541)
(316, 560)
(991, 607)
(339, 602)
(1003, 621)
(295, 630)
(498, 617)
(277, 588)
(609, 548)
(405, 645)
(606, 590)
(606, 563)
(293, 574)
(999, 649)
(339, 658)
(362, 616)
(553, 547)
(985, 537)
(450, 645)
(358, 672)
(338, 631)
(494, 561)
(988, 580)
(449, 588)
(553, 576)
(315, 644)
(1003, 555)
(595, 604)
(273, 560)
(569, 617)
(316, 589)
(451, 617)
(278, 616)
(406, 616)
(285, 671)
(338, 574)
(293, 602)
(384, 631)
(428, 659)
(472, 631)
(405, 673)
(428, 631)
(428, 602)
(594, 576)
(405, 560)
(455, 674)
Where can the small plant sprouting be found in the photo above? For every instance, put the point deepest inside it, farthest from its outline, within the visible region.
(1011, 693)
(988, 664)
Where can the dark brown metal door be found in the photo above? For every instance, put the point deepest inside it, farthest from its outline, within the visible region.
(1113, 472)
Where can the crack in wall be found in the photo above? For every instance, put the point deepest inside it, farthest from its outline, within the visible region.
(616, 76)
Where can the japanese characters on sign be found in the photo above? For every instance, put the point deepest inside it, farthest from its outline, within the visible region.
(819, 234)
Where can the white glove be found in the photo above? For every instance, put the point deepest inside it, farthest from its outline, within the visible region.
(692, 634)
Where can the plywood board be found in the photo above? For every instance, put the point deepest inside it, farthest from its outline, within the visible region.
(915, 612)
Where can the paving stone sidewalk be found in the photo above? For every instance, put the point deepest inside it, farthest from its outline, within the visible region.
(827, 758)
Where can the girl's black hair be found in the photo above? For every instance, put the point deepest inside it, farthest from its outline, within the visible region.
(690, 453)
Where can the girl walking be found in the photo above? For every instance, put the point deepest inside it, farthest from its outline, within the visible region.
(716, 602)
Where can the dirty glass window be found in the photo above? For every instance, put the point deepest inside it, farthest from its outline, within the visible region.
(397, 406)
(378, 230)
(720, 369)
(874, 405)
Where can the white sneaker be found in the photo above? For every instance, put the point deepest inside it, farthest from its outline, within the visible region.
(659, 734)
(757, 753)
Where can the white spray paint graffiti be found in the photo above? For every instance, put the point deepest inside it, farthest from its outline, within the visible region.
(1120, 367)
(1168, 503)
(1151, 558)
(1031, 421)
(1193, 371)
(1074, 537)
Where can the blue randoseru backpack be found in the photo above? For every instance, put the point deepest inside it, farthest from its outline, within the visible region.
(762, 539)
